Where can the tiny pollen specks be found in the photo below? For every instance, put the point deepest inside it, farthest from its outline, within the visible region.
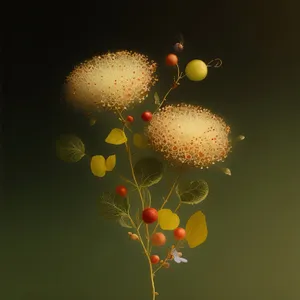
(189, 135)
(111, 81)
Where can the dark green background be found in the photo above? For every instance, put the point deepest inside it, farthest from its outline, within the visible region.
(54, 245)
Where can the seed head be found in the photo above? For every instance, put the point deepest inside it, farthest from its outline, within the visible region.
(189, 135)
(111, 81)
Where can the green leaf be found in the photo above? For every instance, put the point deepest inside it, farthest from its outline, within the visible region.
(124, 221)
(113, 206)
(70, 148)
(156, 99)
(192, 192)
(146, 196)
(148, 171)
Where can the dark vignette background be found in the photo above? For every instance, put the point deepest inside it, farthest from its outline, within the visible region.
(54, 244)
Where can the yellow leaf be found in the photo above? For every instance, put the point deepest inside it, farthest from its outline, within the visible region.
(167, 219)
(116, 137)
(110, 162)
(98, 166)
(196, 229)
(140, 141)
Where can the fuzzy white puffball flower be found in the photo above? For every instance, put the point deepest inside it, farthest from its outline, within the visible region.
(189, 135)
(113, 81)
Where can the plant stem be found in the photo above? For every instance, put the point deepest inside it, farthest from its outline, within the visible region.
(167, 258)
(148, 258)
(123, 120)
(162, 264)
(170, 192)
(174, 85)
(178, 206)
(165, 202)
(133, 175)
(126, 179)
(147, 237)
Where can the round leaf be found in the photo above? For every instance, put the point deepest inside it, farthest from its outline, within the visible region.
(110, 162)
(113, 206)
(167, 219)
(148, 171)
(116, 137)
(192, 192)
(98, 166)
(196, 229)
(70, 148)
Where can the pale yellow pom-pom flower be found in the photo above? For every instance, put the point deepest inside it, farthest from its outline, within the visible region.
(111, 81)
(189, 135)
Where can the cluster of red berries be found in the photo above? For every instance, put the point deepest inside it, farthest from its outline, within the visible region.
(146, 116)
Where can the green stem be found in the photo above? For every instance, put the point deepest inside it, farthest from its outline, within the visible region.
(165, 202)
(147, 237)
(174, 85)
(165, 260)
(170, 192)
(133, 175)
(123, 121)
(148, 258)
(125, 179)
(178, 206)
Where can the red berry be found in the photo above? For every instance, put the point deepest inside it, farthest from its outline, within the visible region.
(171, 60)
(149, 215)
(179, 233)
(158, 239)
(121, 190)
(130, 119)
(154, 259)
(147, 116)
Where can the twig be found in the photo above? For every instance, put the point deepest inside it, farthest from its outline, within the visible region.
(133, 175)
(148, 258)
(123, 120)
(174, 85)
(165, 202)
(178, 206)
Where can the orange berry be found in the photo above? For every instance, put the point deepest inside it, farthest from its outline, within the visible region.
(158, 239)
(179, 233)
(171, 60)
(154, 259)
